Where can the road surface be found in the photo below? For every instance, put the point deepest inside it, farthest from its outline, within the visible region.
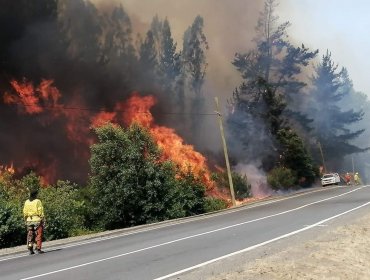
(169, 251)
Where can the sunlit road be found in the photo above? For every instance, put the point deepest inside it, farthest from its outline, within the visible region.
(169, 250)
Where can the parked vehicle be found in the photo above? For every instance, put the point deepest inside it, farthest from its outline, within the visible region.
(330, 179)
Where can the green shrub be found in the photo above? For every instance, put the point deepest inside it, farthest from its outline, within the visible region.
(12, 228)
(296, 157)
(11, 189)
(130, 185)
(242, 188)
(281, 178)
(212, 204)
(63, 210)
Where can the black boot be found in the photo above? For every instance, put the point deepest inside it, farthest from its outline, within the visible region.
(30, 248)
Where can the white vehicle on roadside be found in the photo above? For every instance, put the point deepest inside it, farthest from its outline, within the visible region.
(330, 179)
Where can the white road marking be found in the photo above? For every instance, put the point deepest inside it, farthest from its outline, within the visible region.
(260, 244)
(195, 235)
(316, 225)
(168, 224)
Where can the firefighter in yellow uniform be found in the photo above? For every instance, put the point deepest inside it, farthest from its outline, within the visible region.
(357, 178)
(34, 217)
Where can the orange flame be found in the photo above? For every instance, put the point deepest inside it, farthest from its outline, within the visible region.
(32, 98)
(137, 109)
(102, 118)
(6, 169)
(35, 99)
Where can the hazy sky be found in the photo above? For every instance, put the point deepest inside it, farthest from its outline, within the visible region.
(341, 26)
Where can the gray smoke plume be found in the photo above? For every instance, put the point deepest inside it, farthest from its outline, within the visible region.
(76, 47)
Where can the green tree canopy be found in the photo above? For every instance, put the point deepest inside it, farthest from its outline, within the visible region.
(332, 125)
(295, 156)
(131, 185)
(270, 72)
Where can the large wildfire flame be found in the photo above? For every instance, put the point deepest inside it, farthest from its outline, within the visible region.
(172, 145)
(45, 99)
(137, 110)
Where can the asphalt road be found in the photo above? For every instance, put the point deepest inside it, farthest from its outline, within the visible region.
(171, 250)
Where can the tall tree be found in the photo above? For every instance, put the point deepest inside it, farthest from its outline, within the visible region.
(148, 58)
(169, 59)
(275, 59)
(194, 70)
(118, 46)
(331, 123)
(361, 162)
(84, 32)
(270, 75)
(194, 47)
(169, 68)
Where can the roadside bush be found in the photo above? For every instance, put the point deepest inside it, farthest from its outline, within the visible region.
(212, 204)
(12, 195)
(63, 210)
(130, 184)
(188, 196)
(12, 228)
(296, 157)
(11, 189)
(281, 178)
(242, 188)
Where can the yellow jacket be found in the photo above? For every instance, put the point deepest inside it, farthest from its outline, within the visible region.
(33, 211)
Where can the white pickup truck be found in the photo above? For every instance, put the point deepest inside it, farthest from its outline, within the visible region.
(330, 179)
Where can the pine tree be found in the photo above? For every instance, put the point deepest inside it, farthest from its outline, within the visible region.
(275, 59)
(270, 72)
(331, 123)
(170, 63)
(118, 46)
(194, 70)
(83, 32)
(194, 47)
(148, 58)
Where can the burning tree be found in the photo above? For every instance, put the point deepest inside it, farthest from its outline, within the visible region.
(83, 66)
(132, 185)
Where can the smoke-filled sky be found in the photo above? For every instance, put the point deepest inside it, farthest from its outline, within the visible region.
(228, 28)
(338, 25)
(341, 26)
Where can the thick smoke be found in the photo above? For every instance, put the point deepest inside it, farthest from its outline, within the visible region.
(229, 28)
(74, 46)
(257, 179)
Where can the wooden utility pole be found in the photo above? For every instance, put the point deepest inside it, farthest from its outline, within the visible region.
(322, 157)
(353, 166)
(225, 152)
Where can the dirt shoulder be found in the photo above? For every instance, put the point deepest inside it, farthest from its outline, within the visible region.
(340, 253)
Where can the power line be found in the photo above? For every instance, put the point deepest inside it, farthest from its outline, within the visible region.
(114, 111)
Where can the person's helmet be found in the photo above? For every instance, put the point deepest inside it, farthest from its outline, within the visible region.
(32, 183)
(33, 190)
(356, 173)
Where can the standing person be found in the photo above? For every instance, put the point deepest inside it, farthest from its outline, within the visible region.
(347, 178)
(34, 217)
(356, 178)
